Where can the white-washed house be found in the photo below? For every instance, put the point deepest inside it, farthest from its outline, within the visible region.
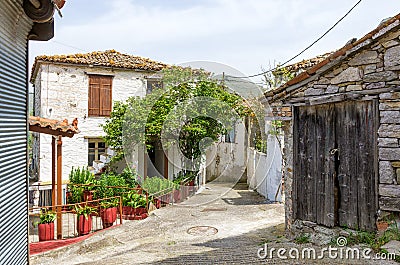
(85, 86)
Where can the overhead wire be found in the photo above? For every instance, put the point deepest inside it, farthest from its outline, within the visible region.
(305, 49)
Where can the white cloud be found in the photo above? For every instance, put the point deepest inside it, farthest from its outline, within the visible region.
(243, 34)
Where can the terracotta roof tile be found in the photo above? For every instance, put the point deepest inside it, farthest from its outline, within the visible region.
(307, 63)
(109, 58)
(54, 127)
(277, 93)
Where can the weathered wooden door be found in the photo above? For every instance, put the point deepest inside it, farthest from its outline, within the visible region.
(335, 164)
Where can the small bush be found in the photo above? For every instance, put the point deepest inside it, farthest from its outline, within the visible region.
(302, 239)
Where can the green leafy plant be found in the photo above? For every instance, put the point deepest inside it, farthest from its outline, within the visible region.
(134, 200)
(107, 182)
(158, 186)
(47, 216)
(84, 210)
(302, 239)
(184, 176)
(80, 176)
(146, 117)
(109, 203)
(372, 239)
(131, 177)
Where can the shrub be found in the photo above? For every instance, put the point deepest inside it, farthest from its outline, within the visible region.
(79, 176)
(158, 186)
(110, 179)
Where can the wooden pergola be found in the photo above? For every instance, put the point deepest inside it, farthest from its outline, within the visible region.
(57, 129)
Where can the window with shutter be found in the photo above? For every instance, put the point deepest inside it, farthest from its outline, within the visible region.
(100, 95)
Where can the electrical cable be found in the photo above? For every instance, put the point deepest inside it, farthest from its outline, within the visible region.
(305, 49)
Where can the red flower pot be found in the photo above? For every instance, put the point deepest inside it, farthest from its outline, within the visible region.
(166, 198)
(84, 225)
(87, 195)
(191, 186)
(157, 203)
(140, 211)
(177, 196)
(127, 210)
(108, 216)
(46, 231)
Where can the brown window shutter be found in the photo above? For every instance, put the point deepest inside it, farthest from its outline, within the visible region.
(106, 96)
(94, 95)
(100, 95)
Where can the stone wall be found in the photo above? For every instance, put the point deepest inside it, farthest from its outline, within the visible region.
(369, 73)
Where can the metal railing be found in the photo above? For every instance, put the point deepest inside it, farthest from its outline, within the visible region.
(68, 219)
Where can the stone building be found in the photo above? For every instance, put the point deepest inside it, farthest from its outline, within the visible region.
(85, 86)
(341, 120)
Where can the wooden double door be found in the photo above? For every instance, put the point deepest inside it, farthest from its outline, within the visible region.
(335, 164)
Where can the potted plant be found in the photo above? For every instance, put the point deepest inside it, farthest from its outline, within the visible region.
(128, 204)
(46, 225)
(140, 207)
(84, 218)
(108, 212)
(80, 185)
(157, 202)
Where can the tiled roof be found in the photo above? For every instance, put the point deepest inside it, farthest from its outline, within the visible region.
(306, 64)
(53, 127)
(334, 58)
(109, 58)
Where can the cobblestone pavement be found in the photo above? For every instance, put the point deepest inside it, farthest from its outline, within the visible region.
(243, 220)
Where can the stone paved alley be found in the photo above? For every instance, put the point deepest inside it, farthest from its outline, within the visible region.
(243, 220)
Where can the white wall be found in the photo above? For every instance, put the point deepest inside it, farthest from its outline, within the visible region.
(226, 162)
(64, 90)
(264, 171)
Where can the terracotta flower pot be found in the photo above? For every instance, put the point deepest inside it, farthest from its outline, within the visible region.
(46, 231)
(87, 195)
(166, 198)
(157, 203)
(177, 196)
(140, 211)
(382, 226)
(127, 210)
(108, 216)
(84, 225)
(191, 185)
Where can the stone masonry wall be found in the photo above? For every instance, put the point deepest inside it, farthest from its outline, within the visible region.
(372, 73)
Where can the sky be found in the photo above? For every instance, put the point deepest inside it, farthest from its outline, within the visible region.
(245, 35)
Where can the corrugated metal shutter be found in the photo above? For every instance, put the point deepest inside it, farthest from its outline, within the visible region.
(14, 29)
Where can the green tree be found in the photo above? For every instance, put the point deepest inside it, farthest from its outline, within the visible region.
(183, 112)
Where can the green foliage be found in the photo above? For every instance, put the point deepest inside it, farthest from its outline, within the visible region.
(302, 239)
(47, 216)
(109, 203)
(276, 127)
(158, 185)
(110, 179)
(278, 77)
(184, 175)
(84, 210)
(131, 177)
(371, 239)
(141, 120)
(113, 129)
(134, 200)
(79, 176)
(260, 144)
